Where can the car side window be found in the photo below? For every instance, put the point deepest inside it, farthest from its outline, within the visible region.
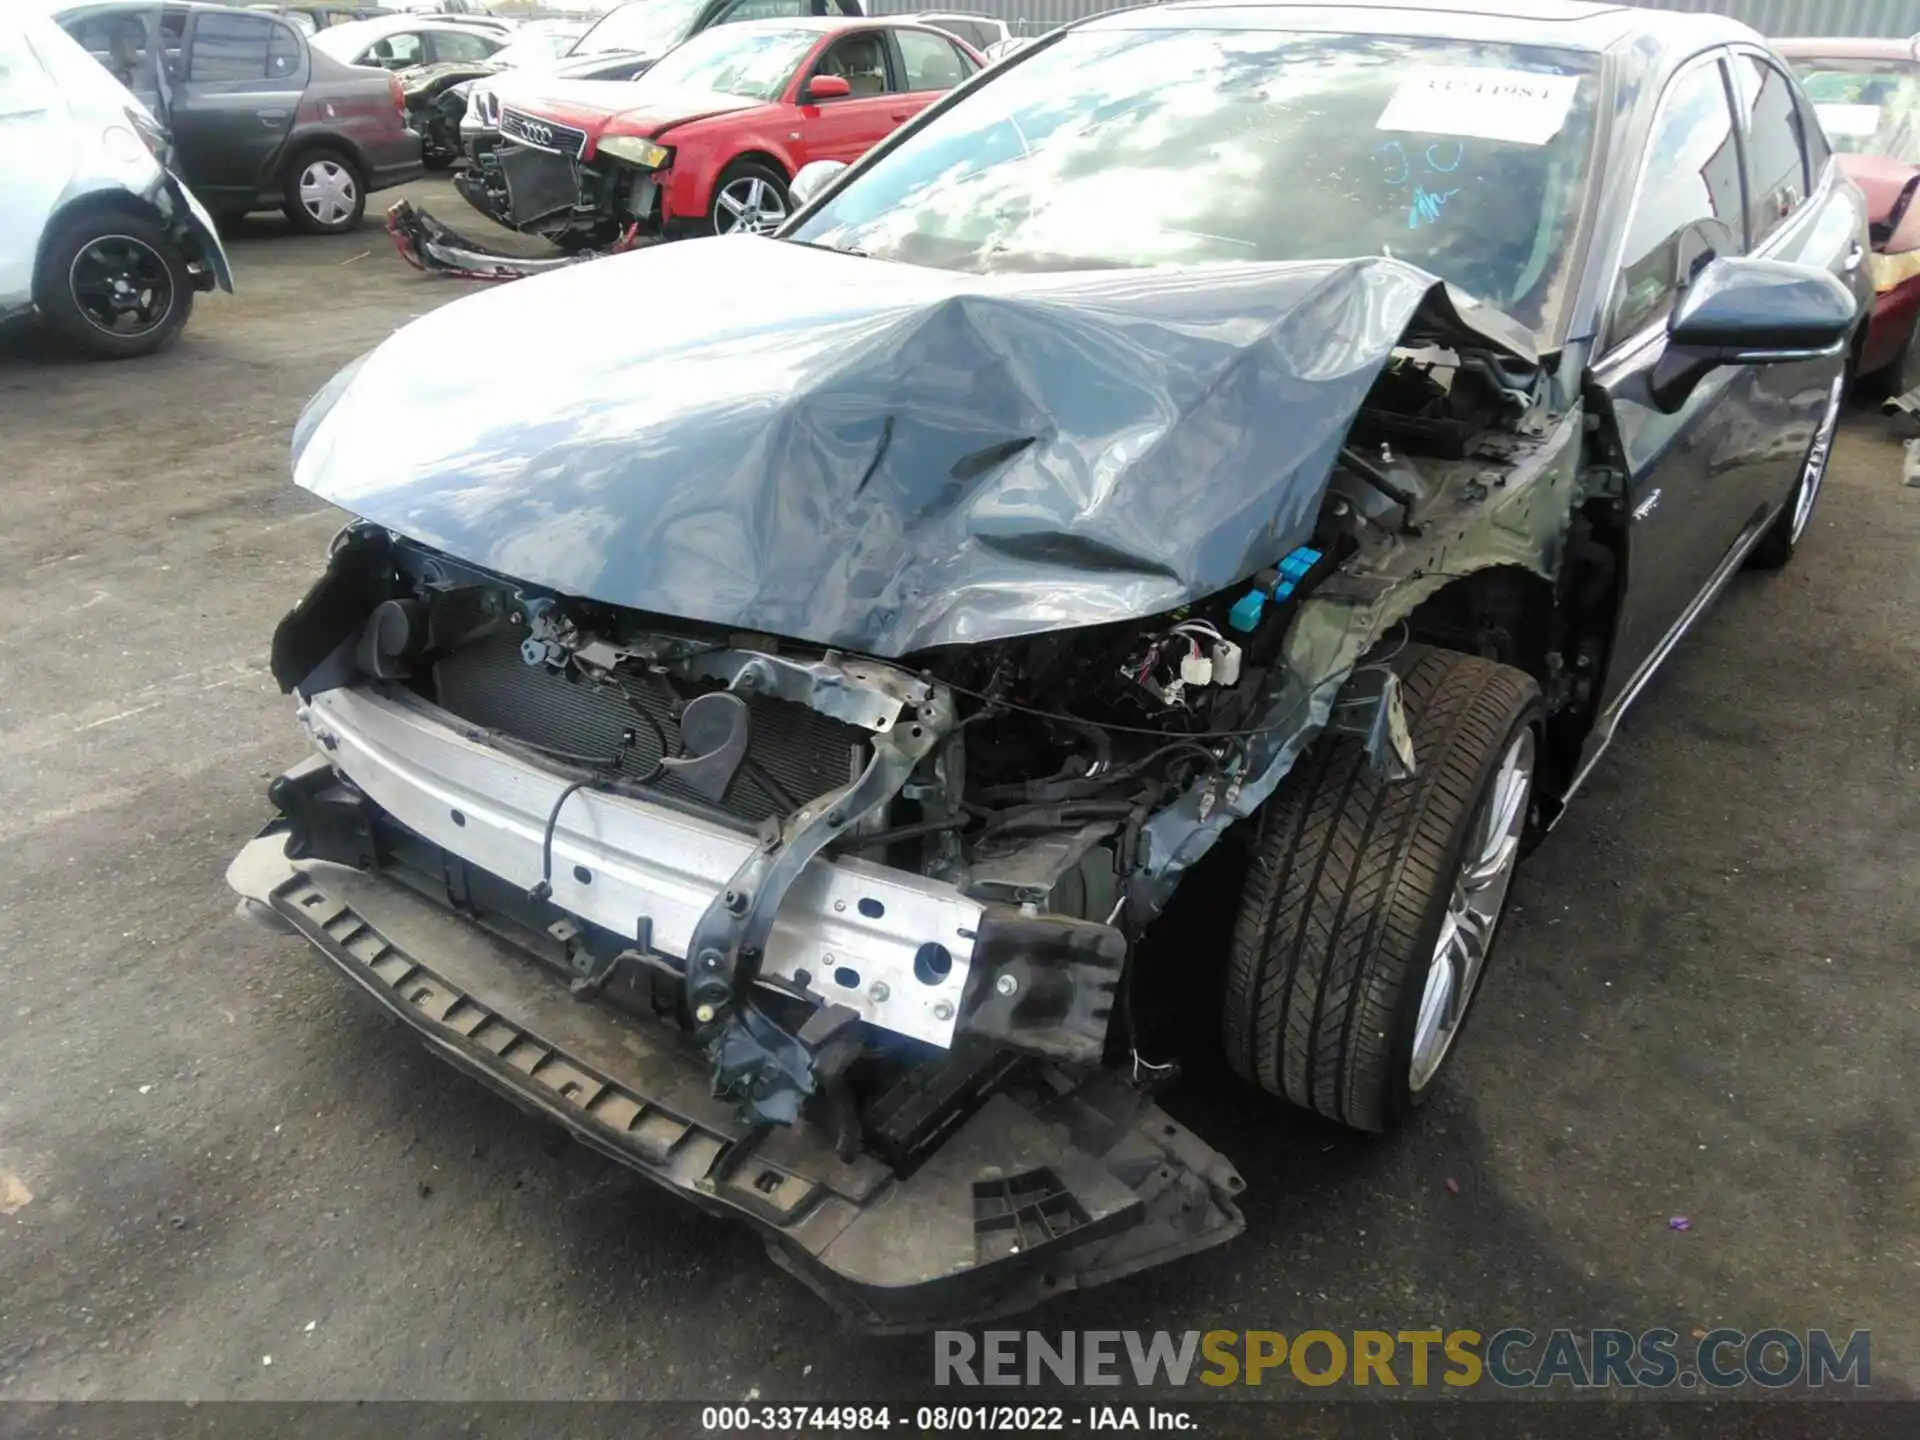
(1777, 180)
(396, 52)
(283, 53)
(236, 47)
(1819, 152)
(119, 42)
(1688, 206)
(976, 33)
(764, 10)
(932, 62)
(461, 46)
(861, 60)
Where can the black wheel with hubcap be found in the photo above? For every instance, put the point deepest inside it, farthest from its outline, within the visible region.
(1371, 906)
(325, 193)
(114, 284)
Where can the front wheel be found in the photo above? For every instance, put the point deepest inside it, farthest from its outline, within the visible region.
(1371, 906)
(114, 284)
(748, 199)
(325, 193)
(1776, 547)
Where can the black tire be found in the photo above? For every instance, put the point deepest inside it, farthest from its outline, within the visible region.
(1348, 889)
(1776, 547)
(1904, 374)
(720, 221)
(74, 311)
(1898, 375)
(328, 168)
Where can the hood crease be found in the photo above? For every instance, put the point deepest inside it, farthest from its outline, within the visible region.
(874, 456)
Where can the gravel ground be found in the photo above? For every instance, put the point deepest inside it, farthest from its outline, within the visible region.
(220, 1176)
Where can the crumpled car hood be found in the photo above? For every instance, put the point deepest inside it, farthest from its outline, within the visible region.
(874, 456)
(597, 106)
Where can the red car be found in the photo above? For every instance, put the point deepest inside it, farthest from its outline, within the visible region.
(706, 141)
(1867, 94)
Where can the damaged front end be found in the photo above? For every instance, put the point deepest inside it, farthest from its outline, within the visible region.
(748, 860)
(535, 182)
(812, 883)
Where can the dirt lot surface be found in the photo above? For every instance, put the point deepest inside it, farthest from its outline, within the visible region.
(223, 1176)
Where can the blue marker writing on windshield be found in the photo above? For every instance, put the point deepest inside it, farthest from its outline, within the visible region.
(1427, 205)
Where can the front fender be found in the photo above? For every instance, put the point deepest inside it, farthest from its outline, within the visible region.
(691, 190)
(192, 216)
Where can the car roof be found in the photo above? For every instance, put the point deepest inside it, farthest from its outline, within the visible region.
(1847, 47)
(1565, 24)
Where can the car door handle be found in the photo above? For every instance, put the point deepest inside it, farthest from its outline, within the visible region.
(272, 117)
(902, 115)
(1855, 254)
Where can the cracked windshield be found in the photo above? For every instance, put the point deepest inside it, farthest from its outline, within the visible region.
(1132, 148)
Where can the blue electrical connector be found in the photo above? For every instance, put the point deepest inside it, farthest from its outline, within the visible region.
(1293, 568)
(1247, 610)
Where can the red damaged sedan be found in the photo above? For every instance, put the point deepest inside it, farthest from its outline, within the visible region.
(706, 141)
(1867, 94)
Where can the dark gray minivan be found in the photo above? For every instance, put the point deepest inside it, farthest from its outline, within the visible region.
(259, 118)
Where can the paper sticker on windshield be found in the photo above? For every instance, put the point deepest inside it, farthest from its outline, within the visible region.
(1518, 106)
(1858, 121)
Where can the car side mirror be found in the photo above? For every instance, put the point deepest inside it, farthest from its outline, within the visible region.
(828, 87)
(1745, 311)
(812, 178)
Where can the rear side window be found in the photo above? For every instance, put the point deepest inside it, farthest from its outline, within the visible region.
(1688, 205)
(971, 31)
(1777, 180)
(395, 52)
(933, 62)
(239, 47)
(452, 45)
(283, 53)
(118, 42)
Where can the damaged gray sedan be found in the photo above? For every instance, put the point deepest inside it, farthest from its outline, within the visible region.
(763, 715)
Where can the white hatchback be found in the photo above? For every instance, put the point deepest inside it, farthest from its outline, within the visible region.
(95, 233)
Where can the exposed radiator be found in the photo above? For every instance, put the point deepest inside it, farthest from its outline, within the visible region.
(790, 748)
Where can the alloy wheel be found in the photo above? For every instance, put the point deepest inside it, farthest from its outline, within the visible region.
(749, 206)
(1473, 911)
(327, 192)
(121, 285)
